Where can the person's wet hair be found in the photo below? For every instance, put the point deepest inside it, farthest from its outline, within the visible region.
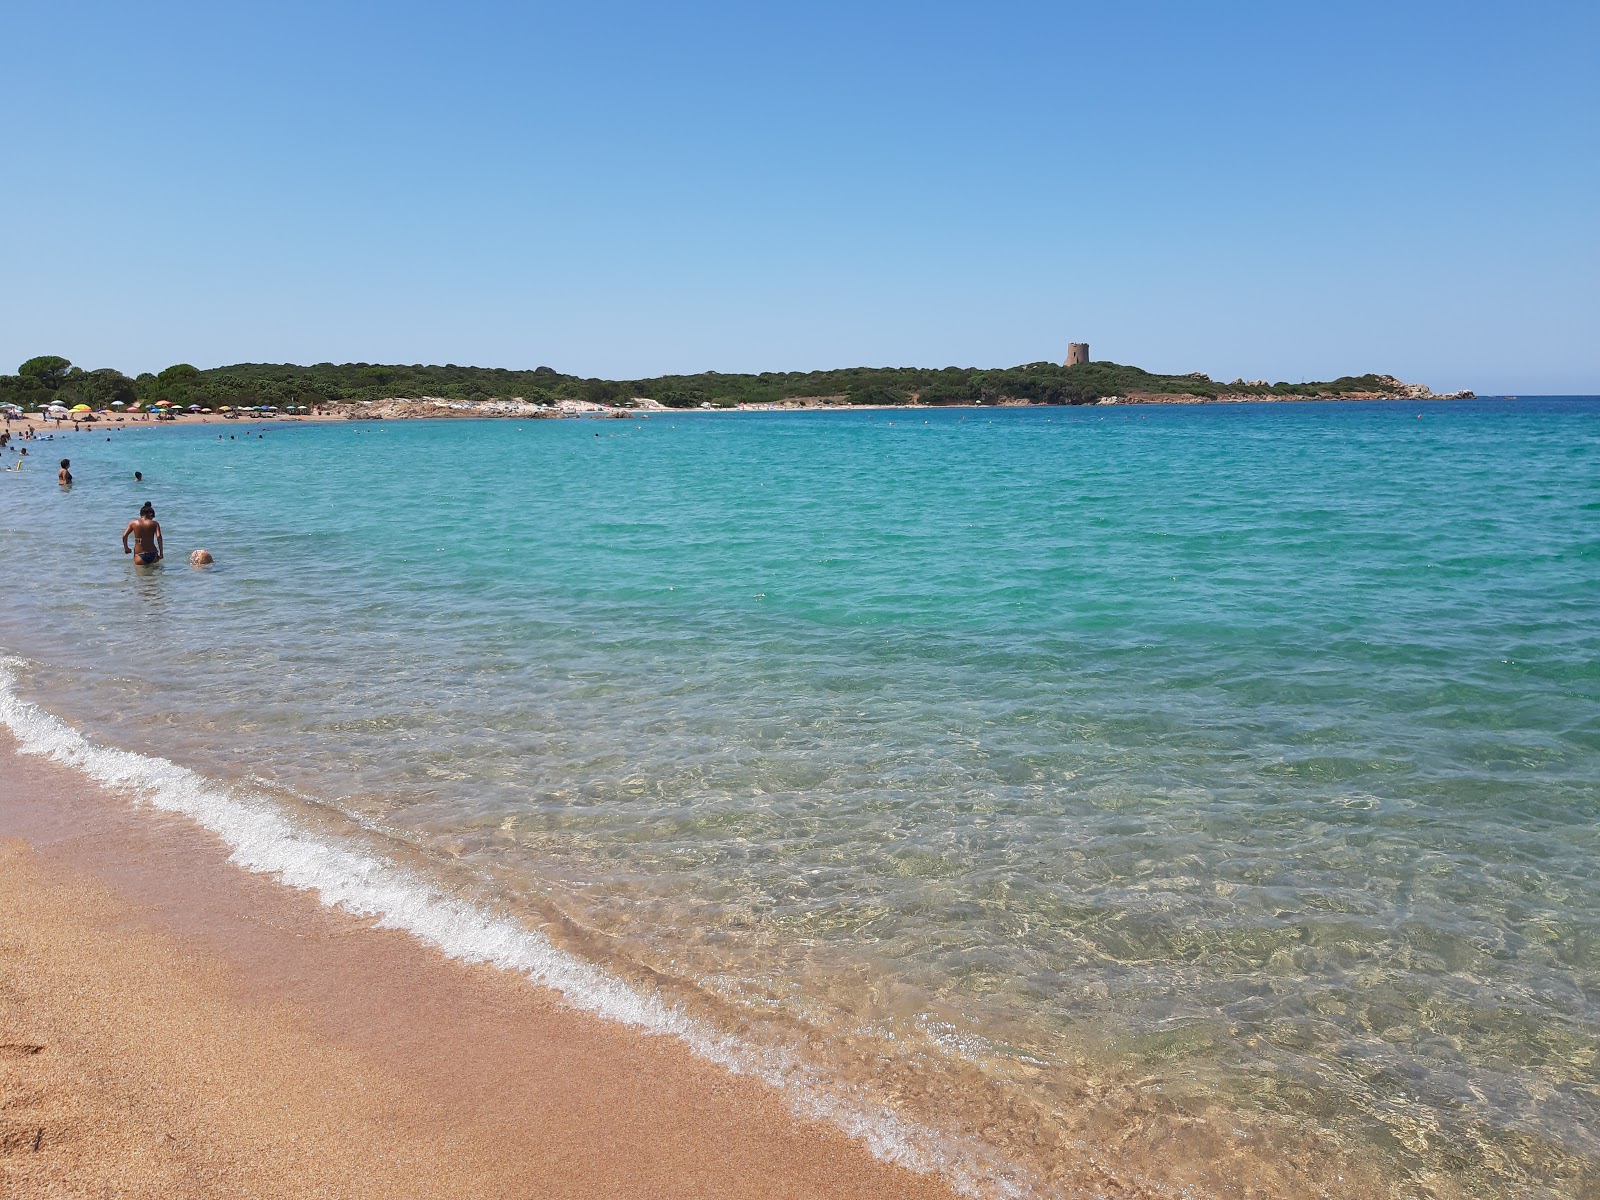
(66, 462)
(147, 509)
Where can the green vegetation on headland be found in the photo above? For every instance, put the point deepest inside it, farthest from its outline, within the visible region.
(52, 379)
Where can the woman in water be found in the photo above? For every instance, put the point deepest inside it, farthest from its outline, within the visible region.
(146, 532)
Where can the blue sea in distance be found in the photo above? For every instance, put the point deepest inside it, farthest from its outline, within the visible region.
(1209, 792)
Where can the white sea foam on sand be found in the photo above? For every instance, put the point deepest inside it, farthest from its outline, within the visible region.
(264, 840)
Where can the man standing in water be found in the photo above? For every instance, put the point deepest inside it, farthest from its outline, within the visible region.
(146, 532)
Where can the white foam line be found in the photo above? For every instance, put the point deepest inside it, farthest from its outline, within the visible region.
(263, 840)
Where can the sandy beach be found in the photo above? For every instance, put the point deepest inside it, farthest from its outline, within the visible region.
(33, 422)
(173, 1026)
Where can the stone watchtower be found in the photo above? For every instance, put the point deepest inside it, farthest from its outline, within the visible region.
(1077, 353)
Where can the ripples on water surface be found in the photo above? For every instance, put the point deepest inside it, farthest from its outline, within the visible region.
(1210, 791)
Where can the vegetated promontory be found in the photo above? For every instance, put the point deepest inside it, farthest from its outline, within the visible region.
(50, 379)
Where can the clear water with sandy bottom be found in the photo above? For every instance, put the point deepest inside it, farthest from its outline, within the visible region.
(1199, 796)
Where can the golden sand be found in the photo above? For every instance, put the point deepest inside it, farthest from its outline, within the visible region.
(173, 1026)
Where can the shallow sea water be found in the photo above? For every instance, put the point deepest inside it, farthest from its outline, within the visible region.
(1202, 797)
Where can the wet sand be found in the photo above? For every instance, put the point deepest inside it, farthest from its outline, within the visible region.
(173, 1026)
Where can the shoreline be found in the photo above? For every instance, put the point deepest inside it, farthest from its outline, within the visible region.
(288, 912)
(175, 1021)
(434, 409)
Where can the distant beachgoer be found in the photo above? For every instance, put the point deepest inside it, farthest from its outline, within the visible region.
(64, 476)
(138, 476)
(145, 530)
(200, 558)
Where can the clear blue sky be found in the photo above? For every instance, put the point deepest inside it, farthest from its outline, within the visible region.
(1278, 190)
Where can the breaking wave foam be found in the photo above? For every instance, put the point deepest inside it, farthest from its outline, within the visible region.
(264, 840)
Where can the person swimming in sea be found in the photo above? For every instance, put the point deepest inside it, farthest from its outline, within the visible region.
(64, 476)
(146, 532)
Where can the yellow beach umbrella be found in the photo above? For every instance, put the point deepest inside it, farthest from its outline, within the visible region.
(81, 408)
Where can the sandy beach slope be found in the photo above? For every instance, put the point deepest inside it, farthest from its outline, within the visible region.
(173, 1026)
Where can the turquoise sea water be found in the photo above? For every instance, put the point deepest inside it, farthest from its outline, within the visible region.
(1211, 791)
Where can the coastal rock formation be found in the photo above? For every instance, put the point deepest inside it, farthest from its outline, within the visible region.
(403, 408)
(400, 408)
(1388, 388)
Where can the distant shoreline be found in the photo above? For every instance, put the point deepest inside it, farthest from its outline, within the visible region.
(491, 391)
(432, 408)
(429, 408)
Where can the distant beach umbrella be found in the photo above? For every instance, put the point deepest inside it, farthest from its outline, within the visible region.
(81, 408)
(119, 404)
(194, 408)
